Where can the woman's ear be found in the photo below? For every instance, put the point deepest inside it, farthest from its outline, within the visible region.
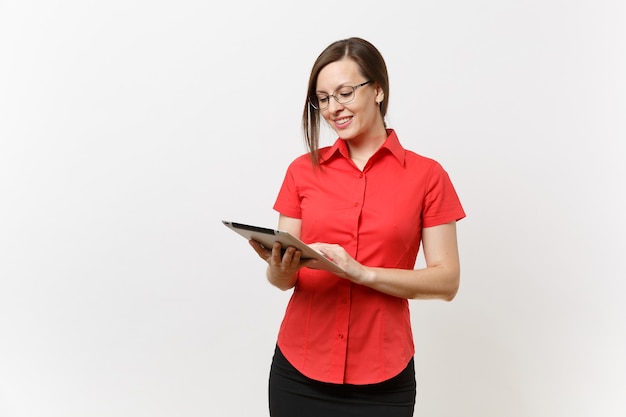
(380, 95)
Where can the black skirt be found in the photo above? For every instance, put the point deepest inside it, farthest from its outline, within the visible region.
(292, 394)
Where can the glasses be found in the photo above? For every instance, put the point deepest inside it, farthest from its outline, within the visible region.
(344, 96)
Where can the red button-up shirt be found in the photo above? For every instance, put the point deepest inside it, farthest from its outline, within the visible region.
(334, 330)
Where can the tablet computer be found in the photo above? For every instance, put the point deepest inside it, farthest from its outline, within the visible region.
(267, 237)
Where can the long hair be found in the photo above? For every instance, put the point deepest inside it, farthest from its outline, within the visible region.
(372, 66)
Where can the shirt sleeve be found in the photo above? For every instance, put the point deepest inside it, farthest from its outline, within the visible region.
(441, 202)
(288, 199)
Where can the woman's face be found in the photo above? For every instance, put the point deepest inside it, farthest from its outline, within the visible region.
(359, 118)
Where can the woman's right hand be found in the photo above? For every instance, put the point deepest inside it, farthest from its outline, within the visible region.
(282, 268)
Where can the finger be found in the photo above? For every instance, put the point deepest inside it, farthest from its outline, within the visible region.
(310, 263)
(289, 256)
(296, 256)
(261, 250)
(276, 254)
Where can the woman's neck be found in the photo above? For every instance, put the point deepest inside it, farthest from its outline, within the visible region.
(362, 149)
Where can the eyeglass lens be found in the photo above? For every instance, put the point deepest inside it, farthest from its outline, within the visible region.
(343, 96)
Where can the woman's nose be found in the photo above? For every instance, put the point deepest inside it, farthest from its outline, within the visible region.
(334, 105)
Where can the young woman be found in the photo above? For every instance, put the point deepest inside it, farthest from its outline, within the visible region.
(345, 345)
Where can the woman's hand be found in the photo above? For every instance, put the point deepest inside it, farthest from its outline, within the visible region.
(440, 278)
(282, 268)
(353, 270)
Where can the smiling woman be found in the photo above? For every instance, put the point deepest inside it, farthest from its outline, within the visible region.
(128, 129)
(345, 346)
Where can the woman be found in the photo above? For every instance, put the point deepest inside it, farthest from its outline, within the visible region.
(345, 346)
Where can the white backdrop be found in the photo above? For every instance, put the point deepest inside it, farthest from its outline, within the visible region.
(130, 128)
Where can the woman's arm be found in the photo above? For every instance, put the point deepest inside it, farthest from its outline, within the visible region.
(282, 271)
(440, 278)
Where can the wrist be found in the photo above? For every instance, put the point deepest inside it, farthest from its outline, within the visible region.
(284, 282)
(369, 275)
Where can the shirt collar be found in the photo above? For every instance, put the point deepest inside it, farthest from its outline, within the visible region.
(340, 147)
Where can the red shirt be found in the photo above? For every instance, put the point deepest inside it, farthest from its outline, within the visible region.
(334, 330)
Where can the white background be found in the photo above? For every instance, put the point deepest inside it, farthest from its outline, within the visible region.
(130, 129)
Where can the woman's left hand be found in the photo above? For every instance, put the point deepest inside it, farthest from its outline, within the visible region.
(353, 270)
(439, 279)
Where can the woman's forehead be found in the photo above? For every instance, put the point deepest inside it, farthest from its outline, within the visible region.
(338, 73)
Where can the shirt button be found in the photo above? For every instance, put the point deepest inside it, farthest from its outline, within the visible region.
(340, 335)
(356, 204)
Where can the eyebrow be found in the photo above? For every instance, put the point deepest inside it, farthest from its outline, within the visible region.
(346, 84)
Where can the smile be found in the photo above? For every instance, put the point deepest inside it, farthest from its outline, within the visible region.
(343, 120)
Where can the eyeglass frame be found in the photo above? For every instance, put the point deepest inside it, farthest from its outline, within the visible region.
(354, 88)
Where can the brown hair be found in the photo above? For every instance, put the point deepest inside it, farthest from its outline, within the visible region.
(372, 66)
